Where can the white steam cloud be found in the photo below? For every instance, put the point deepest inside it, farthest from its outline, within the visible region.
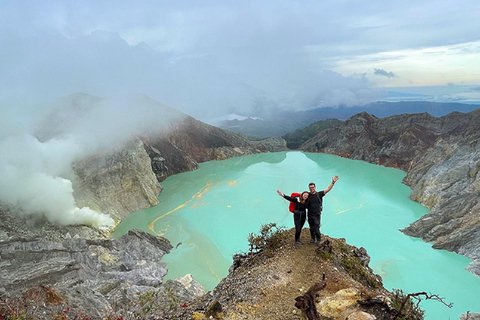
(36, 173)
(32, 179)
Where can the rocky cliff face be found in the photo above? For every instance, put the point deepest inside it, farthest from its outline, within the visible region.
(441, 157)
(189, 142)
(117, 182)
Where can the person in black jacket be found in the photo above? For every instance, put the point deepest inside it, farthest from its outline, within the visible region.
(299, 213)
(315, 206)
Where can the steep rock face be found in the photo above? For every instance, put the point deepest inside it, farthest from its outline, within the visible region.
(441, 157)
(117, 182)
(391, 143)
(450, 188)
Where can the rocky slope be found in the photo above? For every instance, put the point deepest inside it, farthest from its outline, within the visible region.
(52, 272)
(53, 268)
(441, 157)
(116, 182)
(265, 285)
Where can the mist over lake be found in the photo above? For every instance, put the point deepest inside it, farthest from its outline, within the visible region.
(207, 215)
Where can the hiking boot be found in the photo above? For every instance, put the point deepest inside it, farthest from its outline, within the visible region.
(312, 241)
(300, 241)
(295, 245)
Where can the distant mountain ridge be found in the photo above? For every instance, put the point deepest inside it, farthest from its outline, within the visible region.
(283, 122)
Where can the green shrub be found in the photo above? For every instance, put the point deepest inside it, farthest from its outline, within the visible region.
(407, 309)
(270, 239)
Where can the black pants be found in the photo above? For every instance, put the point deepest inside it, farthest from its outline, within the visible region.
(314, 223)
(299, 218)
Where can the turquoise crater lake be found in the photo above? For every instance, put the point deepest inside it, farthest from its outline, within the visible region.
(208, 213)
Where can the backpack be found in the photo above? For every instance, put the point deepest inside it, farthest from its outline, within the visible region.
(291, 206)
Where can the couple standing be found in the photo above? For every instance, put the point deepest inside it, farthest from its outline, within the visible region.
(313, 202)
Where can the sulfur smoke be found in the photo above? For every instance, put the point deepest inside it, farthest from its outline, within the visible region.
(36, 163)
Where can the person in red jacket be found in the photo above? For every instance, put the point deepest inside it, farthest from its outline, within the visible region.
(299, 213)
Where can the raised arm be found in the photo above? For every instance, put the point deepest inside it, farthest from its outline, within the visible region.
(283, 195)
(334, 179)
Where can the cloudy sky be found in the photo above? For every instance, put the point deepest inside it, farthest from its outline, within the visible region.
(206, 58)
(212, 57)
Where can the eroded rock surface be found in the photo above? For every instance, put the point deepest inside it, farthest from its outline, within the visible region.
(116, 182)
(87, 272)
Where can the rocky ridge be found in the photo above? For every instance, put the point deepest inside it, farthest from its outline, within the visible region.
(75, 271)
(441, 158)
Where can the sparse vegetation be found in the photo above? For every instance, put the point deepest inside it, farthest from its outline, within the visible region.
(357, 271)
(406, 308)
(271, 237)
(324, 254)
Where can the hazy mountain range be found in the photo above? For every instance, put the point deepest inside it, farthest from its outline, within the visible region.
(283, 122)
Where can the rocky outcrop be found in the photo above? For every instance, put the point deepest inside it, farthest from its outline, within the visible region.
(76, 272)
(450, 188)
(116, 182)
(441, 157)
(83, 270)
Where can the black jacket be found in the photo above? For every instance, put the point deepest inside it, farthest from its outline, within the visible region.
(298, 205)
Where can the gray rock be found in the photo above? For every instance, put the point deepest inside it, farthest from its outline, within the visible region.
(92, 275)
(116, 182)
(470, 316)
(272, 144)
